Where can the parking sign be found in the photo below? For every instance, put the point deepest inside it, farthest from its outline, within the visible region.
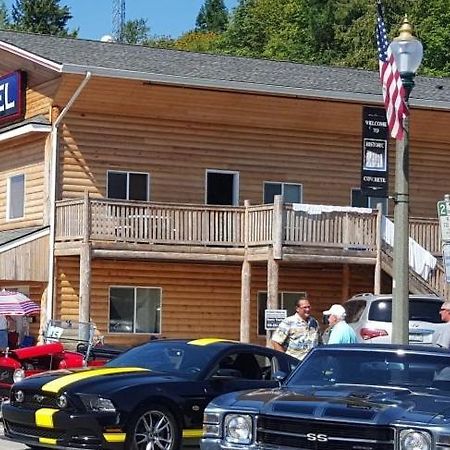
(443, 208)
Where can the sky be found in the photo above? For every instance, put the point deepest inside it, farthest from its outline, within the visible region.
(93, 18)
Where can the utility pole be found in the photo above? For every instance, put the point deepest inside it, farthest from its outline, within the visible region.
(118, 19)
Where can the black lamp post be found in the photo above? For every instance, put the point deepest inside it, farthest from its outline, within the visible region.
(407, 52)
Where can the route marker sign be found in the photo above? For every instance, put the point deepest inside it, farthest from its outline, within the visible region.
(443, 209)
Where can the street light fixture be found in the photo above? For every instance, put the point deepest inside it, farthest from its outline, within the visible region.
(407, 52)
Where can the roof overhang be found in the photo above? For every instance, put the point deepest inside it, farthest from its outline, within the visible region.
(23, 130)
(18, 241)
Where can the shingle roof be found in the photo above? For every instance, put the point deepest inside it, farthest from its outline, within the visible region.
(205, 68)
(7, 237)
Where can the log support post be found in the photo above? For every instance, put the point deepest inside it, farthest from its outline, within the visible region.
(272, 289)
(85, 265)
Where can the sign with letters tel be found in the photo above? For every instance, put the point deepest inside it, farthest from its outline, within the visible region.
(374, 167)
(12, 97)
(273, 317)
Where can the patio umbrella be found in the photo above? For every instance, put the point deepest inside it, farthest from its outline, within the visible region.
(17, 304)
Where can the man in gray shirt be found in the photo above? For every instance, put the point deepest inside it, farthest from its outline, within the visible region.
(443, 339)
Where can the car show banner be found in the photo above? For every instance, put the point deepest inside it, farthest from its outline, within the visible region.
(374, 168)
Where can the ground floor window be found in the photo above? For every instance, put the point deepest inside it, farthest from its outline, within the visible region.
(286, 300)
(134, 309)
(360, 200)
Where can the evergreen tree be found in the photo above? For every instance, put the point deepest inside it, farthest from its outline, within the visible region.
(42, 17)
(4, 20)
(213, 17)
(135, 31)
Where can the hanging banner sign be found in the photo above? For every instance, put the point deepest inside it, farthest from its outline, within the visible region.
(12, 97)
(374, 168)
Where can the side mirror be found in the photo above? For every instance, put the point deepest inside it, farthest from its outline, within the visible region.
(280, 376)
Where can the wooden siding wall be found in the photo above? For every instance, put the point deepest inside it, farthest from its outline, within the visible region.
(26, 262)
(171, 131)
(39, 99)
(198, 299)
(23, 156)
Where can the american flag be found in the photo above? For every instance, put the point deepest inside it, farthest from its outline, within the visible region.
(393, 90)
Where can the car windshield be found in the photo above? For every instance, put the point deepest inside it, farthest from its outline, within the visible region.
(391, 368)
(178, 358)
(425, 310)
(68, 332)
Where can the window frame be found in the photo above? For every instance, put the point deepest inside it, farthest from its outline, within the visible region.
(283, 184)
(369, 200)
(236, 184)
(134, 309)
(128, 173)
(9, 199)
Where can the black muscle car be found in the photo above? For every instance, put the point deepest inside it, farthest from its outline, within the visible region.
(342, 397)
(150, 397)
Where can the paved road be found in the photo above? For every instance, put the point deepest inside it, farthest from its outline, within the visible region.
(8, 445)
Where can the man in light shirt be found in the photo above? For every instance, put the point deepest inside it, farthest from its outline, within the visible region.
(341, 331)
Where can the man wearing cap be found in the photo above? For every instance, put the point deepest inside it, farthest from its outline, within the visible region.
(297, 334)
(443, 339)
(341, 331)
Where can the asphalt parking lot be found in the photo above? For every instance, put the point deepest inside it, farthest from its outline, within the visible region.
(8, 445)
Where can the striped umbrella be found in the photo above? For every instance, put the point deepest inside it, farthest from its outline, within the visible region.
(17, 304)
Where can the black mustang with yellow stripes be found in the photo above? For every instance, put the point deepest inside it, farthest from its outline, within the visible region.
(150, 397)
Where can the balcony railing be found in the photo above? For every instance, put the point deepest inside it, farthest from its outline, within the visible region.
(251, 226)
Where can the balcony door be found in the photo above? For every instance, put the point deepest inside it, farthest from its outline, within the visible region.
(222, 187)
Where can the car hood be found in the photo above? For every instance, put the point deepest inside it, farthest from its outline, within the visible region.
(96, 380)
(370, 404)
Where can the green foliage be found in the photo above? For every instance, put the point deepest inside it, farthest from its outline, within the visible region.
(135, 31)
(42, 17)
(4, 19)
(213, 17)
(197, 41)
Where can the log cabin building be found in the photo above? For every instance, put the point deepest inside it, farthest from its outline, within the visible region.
(154, 191)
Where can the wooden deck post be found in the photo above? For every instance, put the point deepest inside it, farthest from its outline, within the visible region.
(345, 282)
(277, 230)
(85, 264)
(272, 288)
(377, 274)
(246, 277)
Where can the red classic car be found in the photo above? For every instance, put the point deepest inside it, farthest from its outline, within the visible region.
(68, 344)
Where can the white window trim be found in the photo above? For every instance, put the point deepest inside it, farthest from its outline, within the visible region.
(236, 183)
(300, 185)
(134, 308)
(8, 197)
(128, 172)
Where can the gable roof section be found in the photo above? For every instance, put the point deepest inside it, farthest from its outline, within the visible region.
(67, 55)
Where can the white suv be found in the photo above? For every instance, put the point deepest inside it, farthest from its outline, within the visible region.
(370, 316)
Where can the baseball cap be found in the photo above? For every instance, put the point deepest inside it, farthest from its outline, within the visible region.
(335, 310)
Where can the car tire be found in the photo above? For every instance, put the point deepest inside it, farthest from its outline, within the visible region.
(153, 424)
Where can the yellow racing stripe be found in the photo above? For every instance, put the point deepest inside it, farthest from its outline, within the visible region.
(114, 437)
(47, 441)
(44, 417)
(65, 380)
(206, 341)
(192, 433)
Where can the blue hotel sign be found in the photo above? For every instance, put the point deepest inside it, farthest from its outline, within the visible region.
(12, 97)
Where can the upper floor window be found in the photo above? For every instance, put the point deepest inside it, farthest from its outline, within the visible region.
(362, 201)
(16, 196)
(128, 185)
(134, 309)
(291, 192)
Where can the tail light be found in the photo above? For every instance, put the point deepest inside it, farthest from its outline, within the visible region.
(370, 333)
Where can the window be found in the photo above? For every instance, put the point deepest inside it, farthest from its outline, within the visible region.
(222, 187)
(292, 193)
(134, 310)
(362, 201)
(286, 300)
(128, 185)
(16, 196)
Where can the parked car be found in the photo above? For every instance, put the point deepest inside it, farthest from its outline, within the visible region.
(352, 397)
(151, 396)
(370, 316)
(67, 344)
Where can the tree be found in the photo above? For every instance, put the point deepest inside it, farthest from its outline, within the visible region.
(4, 20)
(41, 16)
(135, 31)
(213, 17)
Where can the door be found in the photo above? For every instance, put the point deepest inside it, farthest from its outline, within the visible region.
(222, 187)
